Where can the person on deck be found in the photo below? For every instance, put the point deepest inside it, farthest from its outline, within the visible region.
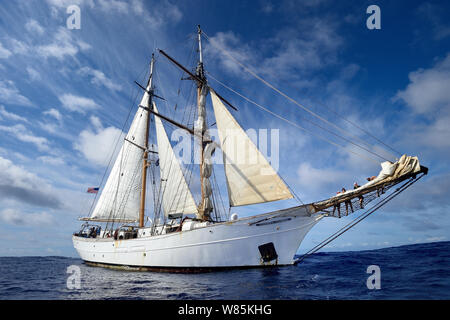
(93, 233)
(360, 197)
(379, 190)
(337, 206)
(347, 202)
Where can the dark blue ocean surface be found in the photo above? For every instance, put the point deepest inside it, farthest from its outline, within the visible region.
(420, 271)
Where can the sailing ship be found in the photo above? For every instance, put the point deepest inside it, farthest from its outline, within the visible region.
(184, 234)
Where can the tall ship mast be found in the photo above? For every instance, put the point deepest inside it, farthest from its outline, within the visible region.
(168, 229)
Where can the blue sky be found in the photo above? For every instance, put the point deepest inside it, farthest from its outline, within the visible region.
(65, 95)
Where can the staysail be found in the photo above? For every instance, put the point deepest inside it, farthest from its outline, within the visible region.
(250, 177)
(176, 195)
(120, 198)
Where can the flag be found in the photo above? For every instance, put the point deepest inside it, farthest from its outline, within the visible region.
(92, 190)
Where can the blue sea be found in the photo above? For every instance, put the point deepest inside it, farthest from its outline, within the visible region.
(419, 271)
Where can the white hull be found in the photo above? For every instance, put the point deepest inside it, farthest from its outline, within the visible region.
(220, 245)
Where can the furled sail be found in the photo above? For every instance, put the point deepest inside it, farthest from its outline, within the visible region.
(120, 198)
(206, 166)
(250, 177)
(176, 195)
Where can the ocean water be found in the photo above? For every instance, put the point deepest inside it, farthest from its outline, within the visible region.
(420, 271)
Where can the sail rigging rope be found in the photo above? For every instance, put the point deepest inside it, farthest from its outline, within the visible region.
(289, 121)
(363, 130)
(358, 219)
(280, 92)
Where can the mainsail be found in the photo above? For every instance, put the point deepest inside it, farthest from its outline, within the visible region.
(120, 198)
(250, 177)
(176, 195)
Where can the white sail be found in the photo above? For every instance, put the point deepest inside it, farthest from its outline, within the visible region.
(120, 197)
(250, 177)
(176, 196)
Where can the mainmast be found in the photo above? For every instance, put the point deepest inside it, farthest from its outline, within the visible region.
(206, 147)
(145, 157)
(204, 208)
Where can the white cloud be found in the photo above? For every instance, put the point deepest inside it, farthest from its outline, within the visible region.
(307, 51)
(63, 45)
(52, 128)
(65, 3)
(18, 47)
(23, 186)
(162, 13)
(96, 123)
(114, 5)
(438, 133)
(55, 161)
(428, 95)
(4, 53)
(53, 123)
(33, 74)
(54, 113)
(10, 95)
(16, 217)
(138, 6)
(283, 55)
(232, 44)
(77, 103)
(34, 26)
(23, 134)
(98, 78)
(428, 90)
(96, 145)
(313, 178)
(11, 116)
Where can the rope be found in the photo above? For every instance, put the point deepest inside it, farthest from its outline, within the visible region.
(357, 220)
(282, 93)
(365, 131)
(289, 121)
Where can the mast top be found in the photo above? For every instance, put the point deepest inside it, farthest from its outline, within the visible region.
(200, 72)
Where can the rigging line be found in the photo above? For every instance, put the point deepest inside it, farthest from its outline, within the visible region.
(315, 124)
(170, 167)
(191, 56)
(187, 111)
(355, 221)
(283, 94)
(164, 94)
(190, 166)
(362, 129)
(296, 197)
(291, 122)
(219, 192)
